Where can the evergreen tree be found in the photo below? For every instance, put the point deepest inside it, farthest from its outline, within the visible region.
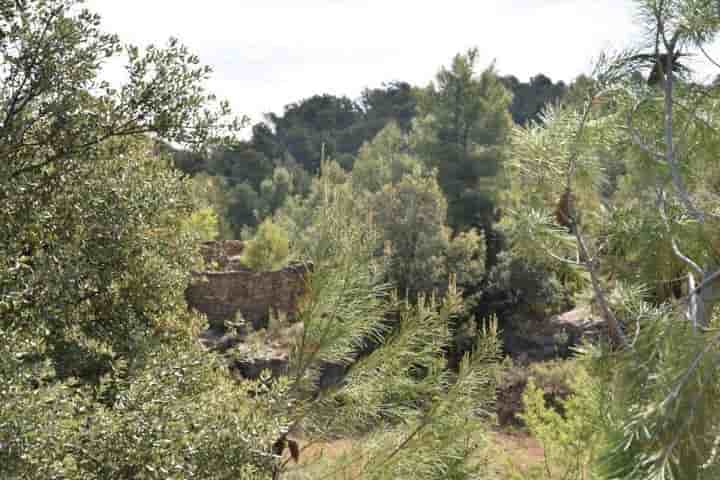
(316, 124)
(422, 421)
(529, 99)
(394, 102)
(462, 132)
(659, 223)
(420, 248)
(384, 160)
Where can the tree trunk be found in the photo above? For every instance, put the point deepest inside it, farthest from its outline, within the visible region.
(702, 303)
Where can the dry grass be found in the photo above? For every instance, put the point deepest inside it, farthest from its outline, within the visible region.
(331, 460)
(513, 455)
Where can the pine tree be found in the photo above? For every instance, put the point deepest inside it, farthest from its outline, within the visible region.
(658, 221)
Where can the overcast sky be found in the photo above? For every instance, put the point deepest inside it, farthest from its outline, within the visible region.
(269, 53)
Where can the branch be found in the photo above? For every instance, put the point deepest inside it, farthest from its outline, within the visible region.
(710, 59)
(564, 260)
(616, 332)
(677, 180)
(684, 258)
(33, 57)
(65, 153)
(706, 281)
(635, 135)
(693, 366)
(676, 249)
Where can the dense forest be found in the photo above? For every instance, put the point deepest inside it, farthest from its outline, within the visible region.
(441, 229)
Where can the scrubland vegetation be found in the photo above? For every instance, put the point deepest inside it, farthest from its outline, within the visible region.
(436, 220)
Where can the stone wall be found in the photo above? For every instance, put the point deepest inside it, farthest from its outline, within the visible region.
(220, 295)
(222, 256)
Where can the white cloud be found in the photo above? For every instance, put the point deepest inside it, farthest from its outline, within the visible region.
(269, 53)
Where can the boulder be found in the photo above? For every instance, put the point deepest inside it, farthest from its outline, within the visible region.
(552, 338)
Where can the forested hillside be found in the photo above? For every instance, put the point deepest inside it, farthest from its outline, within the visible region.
(476, 259)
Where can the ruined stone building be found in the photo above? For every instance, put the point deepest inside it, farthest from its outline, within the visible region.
(225, 288)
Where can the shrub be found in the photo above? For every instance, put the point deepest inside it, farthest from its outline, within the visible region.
(526, 287)
(203, 223)
(269, 249)
(571, 431)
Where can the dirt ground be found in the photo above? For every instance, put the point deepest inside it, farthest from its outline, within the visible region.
(509, 451)
(518, 449)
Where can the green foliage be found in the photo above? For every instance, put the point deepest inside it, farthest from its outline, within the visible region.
(383, 161)
(243, 205)
(240, 163)
(394, 102)
(464, 124)
(316, 123)
(529, 99)
(542, 157)
(402, 381)
(571, 432)
(268, 249)
(641, 250)
(101, 375)
(104, 379)
(692, 21)
(442, 441)
(297, 214)
(204, 223)
(335, 125)
(655, 224)
(210, 194)
(663, 394)
(529, 288)
(412, 216)
(409, 211)
(465, 257)
(275, 191)
(171, 410)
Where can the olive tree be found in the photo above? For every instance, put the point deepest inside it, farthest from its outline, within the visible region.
(101, 375)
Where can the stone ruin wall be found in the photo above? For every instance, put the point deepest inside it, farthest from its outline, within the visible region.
(229, 288)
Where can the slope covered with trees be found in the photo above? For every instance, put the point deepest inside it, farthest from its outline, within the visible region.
(101, 373)
(428, 217)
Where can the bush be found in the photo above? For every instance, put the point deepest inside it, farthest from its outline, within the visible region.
(527, 288)
(571, 431)
(269, 249)
(203, 223)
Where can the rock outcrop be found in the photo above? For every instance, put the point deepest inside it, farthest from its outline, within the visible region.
(551, 338)
(226, 288)
(537, 344)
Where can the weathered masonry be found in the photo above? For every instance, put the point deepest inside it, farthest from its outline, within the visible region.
(226, 288)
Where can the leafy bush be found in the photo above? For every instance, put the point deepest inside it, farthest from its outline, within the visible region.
(203, 223)
(269, 249)
(571, 431)
(525, 287)
(412, 216)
